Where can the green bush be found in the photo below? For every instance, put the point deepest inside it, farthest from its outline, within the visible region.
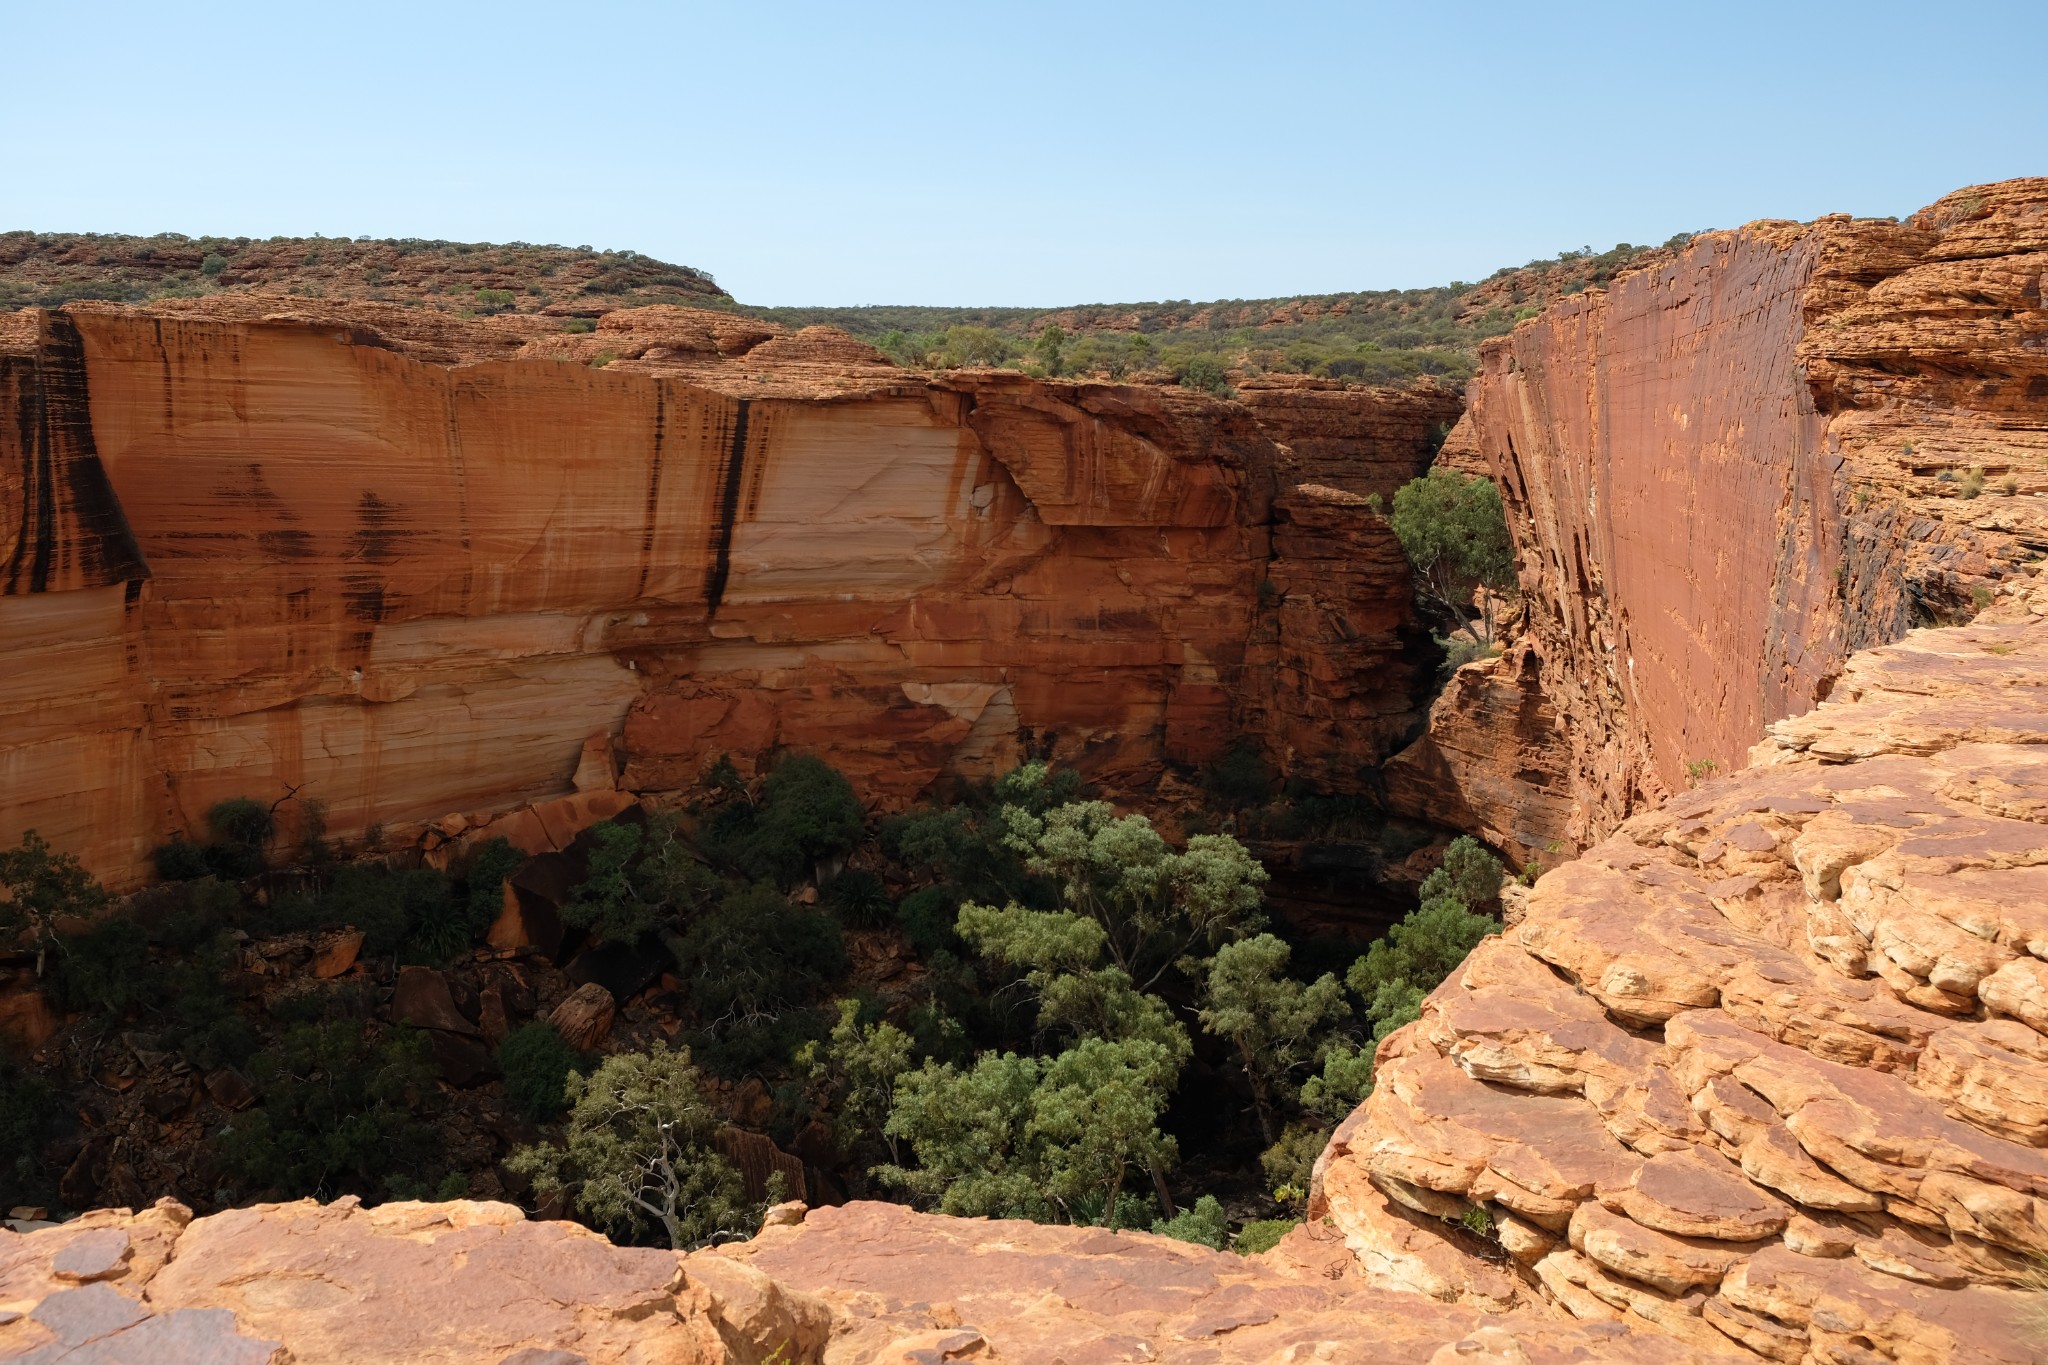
(1262, 1235)
(213, 265)
(1205, 372)
(808, 813)
(410, 908)
(607, 901)
(1204, 1224)
(536, 1062)
(242, 828)
(757, 955)
(341, 1112)
(1468, 873)
(859, 899)
(928, 917)
(105, 971)
(180, 860)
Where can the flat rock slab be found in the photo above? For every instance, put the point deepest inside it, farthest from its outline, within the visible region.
(1037, 1293)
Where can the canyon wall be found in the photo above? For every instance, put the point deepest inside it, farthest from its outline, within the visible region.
(1724, 473)
(406, 564)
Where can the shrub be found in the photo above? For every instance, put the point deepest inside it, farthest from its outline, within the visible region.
(536, 1062)
(1972, 484)
(242, 827)
(757, 955)
(859, 899)
(927, 917)
(340, 1112)
(390, 907)
(808, 813)
(1262, 1235)
(1468, 873)
(483, 886)
(1204, 1224)
(105, 970)
(180, 860)
(575, 326)
(1205, 372)
(213, 265)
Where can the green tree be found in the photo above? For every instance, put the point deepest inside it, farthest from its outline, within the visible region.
(1049, 347)
(1428, 944)
(1455, 534)
(807, 815)
(1278, 1025)
(42, 886)
(859, 1067)
(639, 1153)
(607, 901)
(1060, 953)
(1153, 905)
(1468, 873)
(1049, 1139)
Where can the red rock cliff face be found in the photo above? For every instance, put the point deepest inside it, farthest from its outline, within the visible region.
(411, 565)
(1730, 469)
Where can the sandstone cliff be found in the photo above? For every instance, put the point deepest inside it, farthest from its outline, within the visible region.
(1768, 1069)
(410, 564)
(1724, 473)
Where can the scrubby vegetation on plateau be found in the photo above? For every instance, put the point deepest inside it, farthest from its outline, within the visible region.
(1019, 1003)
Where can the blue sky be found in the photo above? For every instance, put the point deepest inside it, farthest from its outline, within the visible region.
(1037, 153)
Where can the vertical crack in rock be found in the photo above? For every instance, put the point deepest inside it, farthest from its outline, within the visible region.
(728, 511)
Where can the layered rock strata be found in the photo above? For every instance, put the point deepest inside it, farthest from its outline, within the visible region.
(474, 1283)
(1733, 467)
(407, 564)
(1767, 1069)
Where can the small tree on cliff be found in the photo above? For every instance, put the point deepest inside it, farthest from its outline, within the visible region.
(1455, 535)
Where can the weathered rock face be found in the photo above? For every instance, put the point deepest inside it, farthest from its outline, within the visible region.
(1730, 469)
(1768, 1068)
(475, 1283)
(411, 564)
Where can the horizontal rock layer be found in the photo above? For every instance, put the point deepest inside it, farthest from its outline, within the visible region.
(1768, 1069)
(1727, 471)
(409, 565)
(475, 1283)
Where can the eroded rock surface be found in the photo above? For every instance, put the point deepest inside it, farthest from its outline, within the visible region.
(1769, 1067)
(1730, 469)
(416, 564)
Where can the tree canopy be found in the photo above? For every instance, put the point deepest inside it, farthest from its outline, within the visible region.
(1455, 534)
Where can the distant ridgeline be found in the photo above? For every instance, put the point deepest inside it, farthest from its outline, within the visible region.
(1370, 337)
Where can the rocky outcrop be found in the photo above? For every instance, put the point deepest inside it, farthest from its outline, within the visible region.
(1767, 1069)
(475, 1283)
(1736, 465)
(409, 564)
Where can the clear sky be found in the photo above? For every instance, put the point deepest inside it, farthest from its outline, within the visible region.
(1031, 153)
